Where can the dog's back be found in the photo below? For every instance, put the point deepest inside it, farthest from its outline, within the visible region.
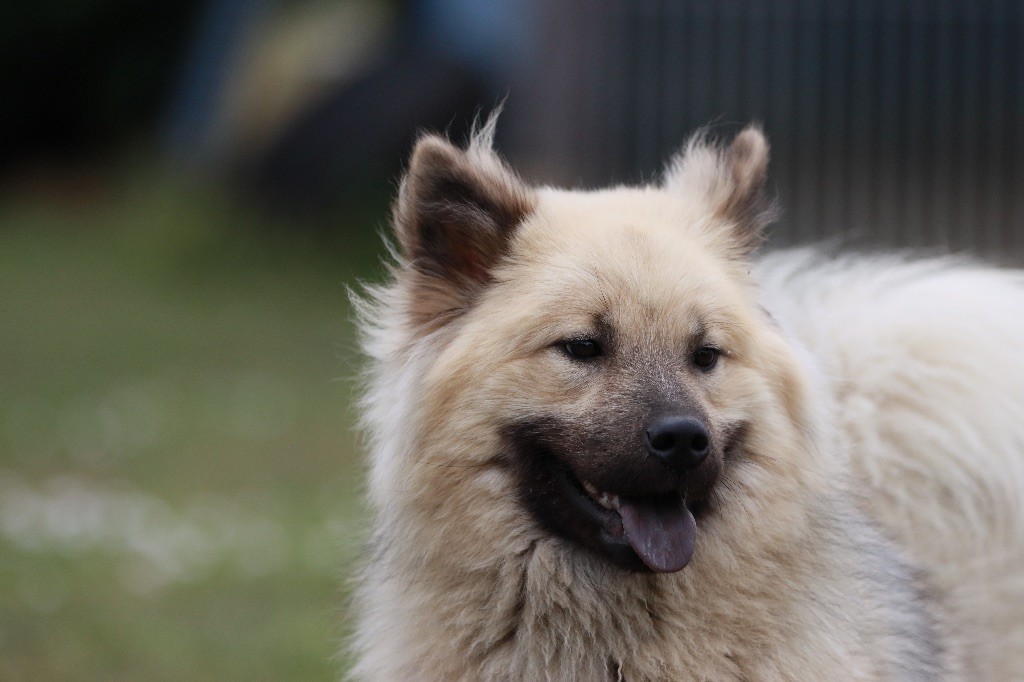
(923, 362)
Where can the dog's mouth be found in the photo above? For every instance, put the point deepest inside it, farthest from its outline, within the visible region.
(627, 508)
(659, 528)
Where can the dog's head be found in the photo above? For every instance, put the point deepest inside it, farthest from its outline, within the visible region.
(586, 366)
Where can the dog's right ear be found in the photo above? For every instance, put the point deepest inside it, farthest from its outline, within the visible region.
(456, 212)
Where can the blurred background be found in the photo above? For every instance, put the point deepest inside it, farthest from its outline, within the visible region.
(187, 189)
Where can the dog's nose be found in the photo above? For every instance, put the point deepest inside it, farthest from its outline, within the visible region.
(682, 443)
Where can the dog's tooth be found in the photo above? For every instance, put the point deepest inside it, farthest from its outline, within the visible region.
(591, 490)
(606, 500)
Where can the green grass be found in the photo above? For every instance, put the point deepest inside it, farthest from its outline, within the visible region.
(178, 472)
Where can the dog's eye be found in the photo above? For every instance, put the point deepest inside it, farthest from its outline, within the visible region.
(705, 357)
(583, 349)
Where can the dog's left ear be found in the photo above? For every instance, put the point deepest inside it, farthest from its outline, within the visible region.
(730, 180)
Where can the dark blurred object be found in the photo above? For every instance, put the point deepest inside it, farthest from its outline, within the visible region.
(447, 61)
(82, 77)
(356, 137)
(364, 90)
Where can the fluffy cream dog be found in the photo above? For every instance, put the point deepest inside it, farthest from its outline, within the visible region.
(606, 444)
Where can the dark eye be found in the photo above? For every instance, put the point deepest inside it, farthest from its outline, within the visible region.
(705, 357)
(583, 349)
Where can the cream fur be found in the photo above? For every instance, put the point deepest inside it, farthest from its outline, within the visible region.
(920, 361)
(885, 397)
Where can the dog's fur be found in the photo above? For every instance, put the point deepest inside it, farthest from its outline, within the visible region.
(860, 514)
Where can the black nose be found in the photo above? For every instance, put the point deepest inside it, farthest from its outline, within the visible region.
(682, 443)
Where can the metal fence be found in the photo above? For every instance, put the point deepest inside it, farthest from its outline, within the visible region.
(897, 122)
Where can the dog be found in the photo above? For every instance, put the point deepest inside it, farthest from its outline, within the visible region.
(610, 442)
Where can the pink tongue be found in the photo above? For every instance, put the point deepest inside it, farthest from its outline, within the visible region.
(661, 531)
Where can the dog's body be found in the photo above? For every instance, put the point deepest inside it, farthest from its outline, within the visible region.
(603, 449)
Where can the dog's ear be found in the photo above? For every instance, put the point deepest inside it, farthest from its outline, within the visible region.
(731, 181)
(455, 215)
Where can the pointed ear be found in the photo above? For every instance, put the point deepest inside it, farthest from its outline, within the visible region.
(731, 180)
(455, 215)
